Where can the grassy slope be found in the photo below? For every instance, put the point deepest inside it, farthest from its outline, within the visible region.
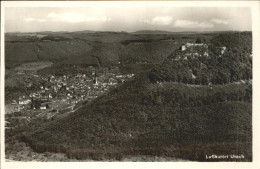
(132, 120)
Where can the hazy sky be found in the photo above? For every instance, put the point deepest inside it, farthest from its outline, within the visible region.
(20, 19)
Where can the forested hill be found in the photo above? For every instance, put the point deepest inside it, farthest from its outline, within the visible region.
(168, 119)
(159, 117)
(240, 40)
(234, 64)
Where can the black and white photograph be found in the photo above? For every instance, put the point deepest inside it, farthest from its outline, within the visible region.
(127, 82)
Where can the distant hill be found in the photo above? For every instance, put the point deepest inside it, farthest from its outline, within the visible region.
(106, 47)
(152, 32)
(170, 32)
(17, 52)
(85, 31)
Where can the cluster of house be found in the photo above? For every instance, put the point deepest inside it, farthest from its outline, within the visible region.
(188, 45)
(35, 103)
(222, 50)
(194, 50)
(71, 89)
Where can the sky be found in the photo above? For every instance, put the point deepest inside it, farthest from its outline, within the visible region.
(127, 18)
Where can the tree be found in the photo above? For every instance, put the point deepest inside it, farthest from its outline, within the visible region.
(199, 40)
(205, 79)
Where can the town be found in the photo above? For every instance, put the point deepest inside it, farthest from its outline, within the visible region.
(60, 95)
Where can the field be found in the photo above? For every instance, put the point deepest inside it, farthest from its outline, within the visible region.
(33, 66)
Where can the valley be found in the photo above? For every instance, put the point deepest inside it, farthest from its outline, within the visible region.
(118, 96)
